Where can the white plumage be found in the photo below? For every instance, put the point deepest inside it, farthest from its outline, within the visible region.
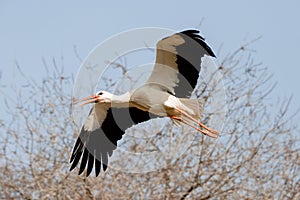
(179, 58)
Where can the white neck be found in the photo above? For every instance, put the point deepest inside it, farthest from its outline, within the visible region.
(121, 101)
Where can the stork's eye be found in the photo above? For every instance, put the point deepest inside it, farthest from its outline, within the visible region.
(100, 93)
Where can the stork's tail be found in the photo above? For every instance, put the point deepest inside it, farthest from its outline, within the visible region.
(192, 106)
(191, 111)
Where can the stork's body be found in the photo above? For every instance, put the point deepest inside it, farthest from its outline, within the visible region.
(165, 94)
(150, 98)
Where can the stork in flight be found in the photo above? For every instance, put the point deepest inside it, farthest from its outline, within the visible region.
(179, 59)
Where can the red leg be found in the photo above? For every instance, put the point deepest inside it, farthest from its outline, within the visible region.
(199, 123)
(191, 125)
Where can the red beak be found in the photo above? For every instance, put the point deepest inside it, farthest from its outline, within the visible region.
(91, 99)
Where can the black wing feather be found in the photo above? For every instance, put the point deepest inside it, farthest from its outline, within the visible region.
(90, 164)
(189, 57)
(97, 166)
(76, 146)
(83, 161)
(95, 147)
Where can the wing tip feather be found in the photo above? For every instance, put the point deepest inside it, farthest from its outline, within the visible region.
(195, 35)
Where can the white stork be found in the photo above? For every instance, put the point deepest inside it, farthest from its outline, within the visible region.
(166, 94)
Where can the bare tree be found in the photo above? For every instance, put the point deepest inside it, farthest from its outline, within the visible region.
(256, 157)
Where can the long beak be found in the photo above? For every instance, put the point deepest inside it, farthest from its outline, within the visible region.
(91, 99)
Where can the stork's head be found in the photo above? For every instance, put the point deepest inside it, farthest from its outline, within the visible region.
(104, 97)
(99, 97)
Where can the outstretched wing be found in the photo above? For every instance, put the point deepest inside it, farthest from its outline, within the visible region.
(100, 134)
(178, 62)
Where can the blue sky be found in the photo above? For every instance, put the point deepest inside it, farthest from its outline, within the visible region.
(31, 30)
